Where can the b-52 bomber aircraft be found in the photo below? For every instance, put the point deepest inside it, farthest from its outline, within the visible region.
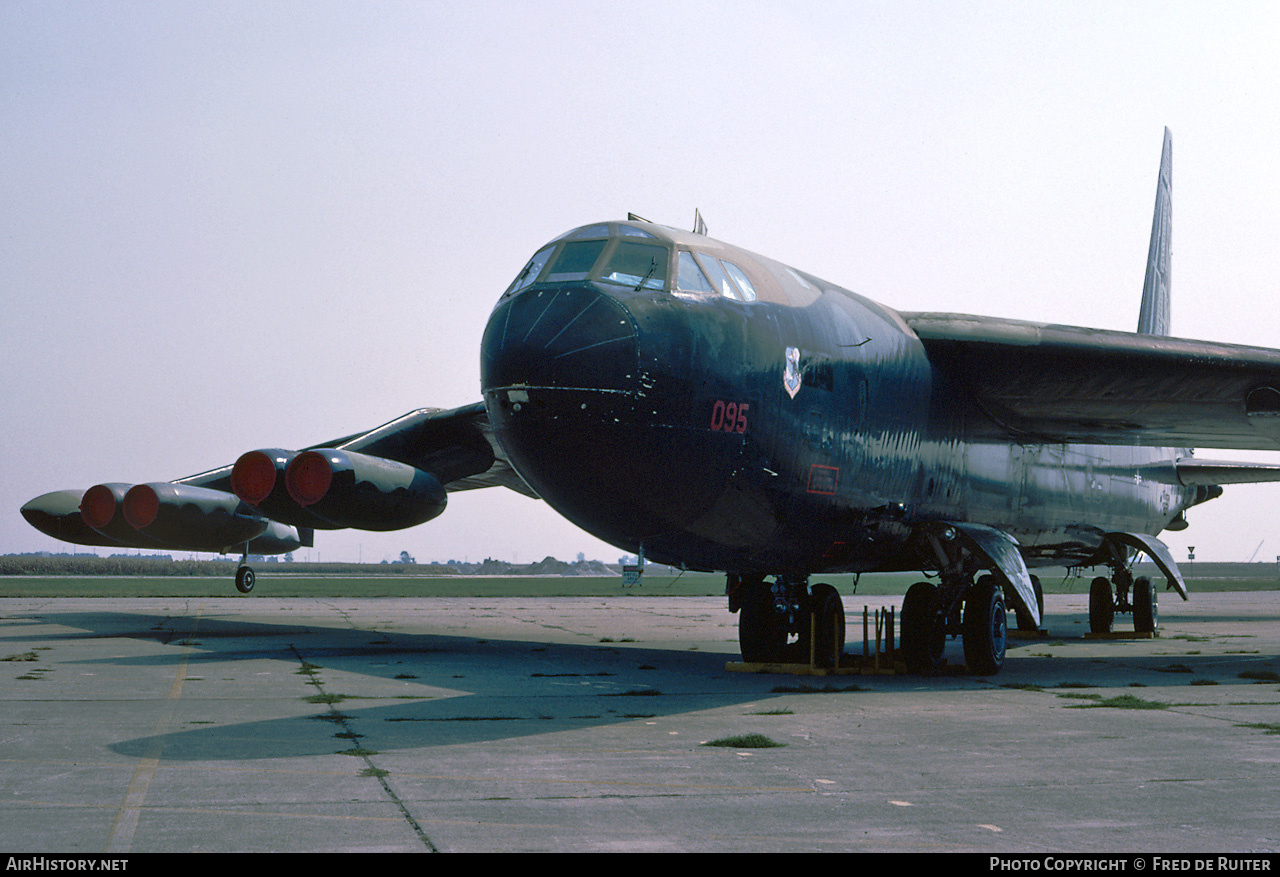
(715, 410)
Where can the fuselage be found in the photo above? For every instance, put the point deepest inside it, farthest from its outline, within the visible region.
(720, 411)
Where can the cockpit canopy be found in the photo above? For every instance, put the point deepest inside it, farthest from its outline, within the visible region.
(626, 255)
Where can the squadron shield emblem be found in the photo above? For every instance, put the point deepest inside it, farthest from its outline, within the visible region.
(791, 376)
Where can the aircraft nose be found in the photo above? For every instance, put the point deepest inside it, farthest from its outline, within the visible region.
(568, 339)
(559, 371)
(590, 399)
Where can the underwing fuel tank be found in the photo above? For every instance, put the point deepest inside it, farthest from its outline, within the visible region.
(349, 489)
(57, 514)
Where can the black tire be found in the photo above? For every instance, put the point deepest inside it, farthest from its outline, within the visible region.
(761, 634)
(985, 628)
(1102, 606)
(829, 625)
(924, 636)
(245, 579)
(1146, 606)
(1023, 617)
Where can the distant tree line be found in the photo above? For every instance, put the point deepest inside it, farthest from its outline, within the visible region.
(141, 565)
(163, 565)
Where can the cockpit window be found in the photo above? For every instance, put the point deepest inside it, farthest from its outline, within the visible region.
(719, 280)
(798, 278)
(744, 283)
(689, 277)
(532, 270)
(632, 231)
(632, 257)
(640, 266)
(575, 260)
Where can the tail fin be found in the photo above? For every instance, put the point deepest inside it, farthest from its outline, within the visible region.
(1153, 319)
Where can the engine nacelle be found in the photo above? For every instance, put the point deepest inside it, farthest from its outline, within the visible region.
(59, 514)
(258, 478)
(192, 518)
(349, 489)
(101, 510)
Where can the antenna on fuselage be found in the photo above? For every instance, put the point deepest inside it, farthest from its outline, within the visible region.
(699, 227)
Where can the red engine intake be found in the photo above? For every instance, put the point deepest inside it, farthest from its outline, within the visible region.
(309, 477)
(350, 489)
(254, 475)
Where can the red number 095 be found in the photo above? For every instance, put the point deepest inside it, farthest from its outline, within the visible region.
(729, 416)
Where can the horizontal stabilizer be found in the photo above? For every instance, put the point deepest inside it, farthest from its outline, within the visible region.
(1194, 472)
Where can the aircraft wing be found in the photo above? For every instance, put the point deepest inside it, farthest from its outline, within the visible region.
(1047, 383)
(387, 478)
(456, 445)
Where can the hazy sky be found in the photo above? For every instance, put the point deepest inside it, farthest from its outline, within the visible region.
(236, 225)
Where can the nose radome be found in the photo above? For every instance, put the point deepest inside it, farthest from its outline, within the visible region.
(568, 338)
(580, 421)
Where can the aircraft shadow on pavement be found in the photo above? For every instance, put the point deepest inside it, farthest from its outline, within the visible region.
(422, 689)
(428, 690)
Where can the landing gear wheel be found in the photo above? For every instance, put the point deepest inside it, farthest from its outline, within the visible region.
(985, 628)
(924, 637)
(1022, 616)
(1146, 607)
(828, 625)
(1102, 606)
(761, 633)
(244, 579)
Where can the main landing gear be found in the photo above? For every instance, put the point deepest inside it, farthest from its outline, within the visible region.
(1104, 604)
(787, 621)
(957, 605)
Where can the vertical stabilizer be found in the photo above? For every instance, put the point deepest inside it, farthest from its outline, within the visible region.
(1153, 319)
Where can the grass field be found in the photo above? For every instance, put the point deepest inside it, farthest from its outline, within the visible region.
(301, 584)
